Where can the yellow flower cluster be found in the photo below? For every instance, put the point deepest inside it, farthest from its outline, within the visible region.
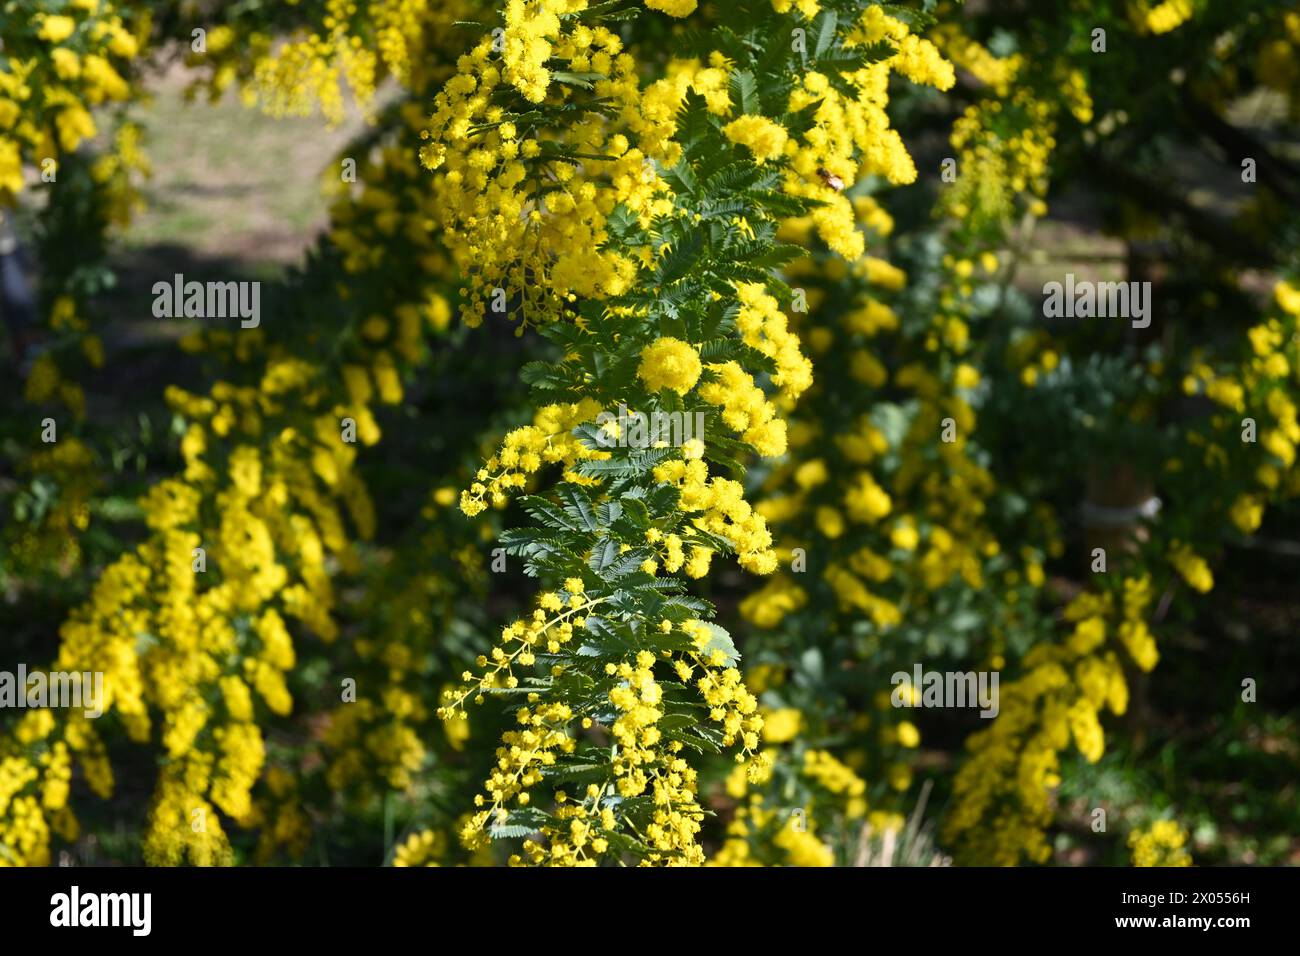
(730, 704)
(421, 849)
(669, 363)
(764, 138)
(764, 328)
(756, 825)
(48, 88)
(779, 596)
(1002, 793)
(761, 834)
(1065, 688)
(310, 70)
(916, 58)
(851, 136)
(832, 775)
(1191, 566)
(550, 627)
(995, 171)
(1160, 844)
(645, 761)
(528, 220)
(996, 72)
(937, 531)
(1162, 17)
(746, 410)
(529, 30)
(803, 847)
(674, 8)
(60, 75)
(782, 725)
(240, 543)
(382, 738)
(526, 450)
(721, 510)
(54, 541)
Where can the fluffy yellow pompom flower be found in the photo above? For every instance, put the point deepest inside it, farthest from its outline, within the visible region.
(1161, 844)
(1247, 512)
(1192, 567)
(56, 28)
(1288, 297)
(1168, 15)
(674, 8)
(782, 725)
(669, 363)
(765, 139)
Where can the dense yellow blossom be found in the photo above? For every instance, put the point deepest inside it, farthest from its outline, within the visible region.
(1161, 844)
(669, 363)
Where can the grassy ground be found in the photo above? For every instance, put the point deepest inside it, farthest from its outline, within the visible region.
(234, 195)
(254, 196)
